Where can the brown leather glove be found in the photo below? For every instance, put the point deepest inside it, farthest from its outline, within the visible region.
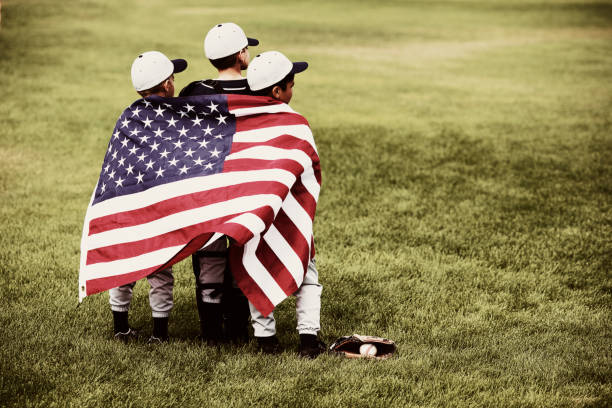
(348, 346)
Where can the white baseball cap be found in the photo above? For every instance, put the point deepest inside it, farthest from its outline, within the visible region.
(152, 68)
(269, 67)
(225, 39)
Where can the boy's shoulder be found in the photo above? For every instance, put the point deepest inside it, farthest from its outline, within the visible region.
(215, 86)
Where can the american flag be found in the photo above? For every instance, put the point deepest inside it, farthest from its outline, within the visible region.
(181, 172)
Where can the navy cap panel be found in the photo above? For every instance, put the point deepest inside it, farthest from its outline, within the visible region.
(299, 67)
(179, 65)
(252, 41)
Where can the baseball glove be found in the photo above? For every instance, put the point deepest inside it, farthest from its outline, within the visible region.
(348, 346)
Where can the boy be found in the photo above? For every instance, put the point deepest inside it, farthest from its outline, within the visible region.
(272, 74)
(227, 48)
(220, 302)
(152, 74)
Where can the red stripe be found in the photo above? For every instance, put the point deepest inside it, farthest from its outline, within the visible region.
(276, 268)
(293, 236)
(303, 196)
(249, 101)
(248, 286)
(102, 284)
(257, 164)
(182, 203)
(265, 120)
(178, 237)
(312, 247)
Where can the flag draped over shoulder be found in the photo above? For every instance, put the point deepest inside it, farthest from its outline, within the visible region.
(181, 172)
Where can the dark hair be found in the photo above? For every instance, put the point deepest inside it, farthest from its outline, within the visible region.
(282, 83)
(225, 62)
(156, 89)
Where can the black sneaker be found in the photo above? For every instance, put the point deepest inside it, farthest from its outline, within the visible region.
(311, 346)
(268, 345)
(126, 337)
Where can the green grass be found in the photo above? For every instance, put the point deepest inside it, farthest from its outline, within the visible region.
(466, 149)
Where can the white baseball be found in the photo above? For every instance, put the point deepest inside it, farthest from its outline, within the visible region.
(367, 350)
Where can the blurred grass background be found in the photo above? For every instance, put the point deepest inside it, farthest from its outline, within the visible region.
(466, 213)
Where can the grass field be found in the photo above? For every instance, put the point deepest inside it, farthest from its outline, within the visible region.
(466, 209)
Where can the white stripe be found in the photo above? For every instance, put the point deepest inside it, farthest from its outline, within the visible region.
(282, 107)
(193, 185)
(250, 221)
(182, 219)
(159, 257)
(83, 260)
(286, 254)
(309, 180)
(260, 274)
(264, 134)
(298, 216)
(272, 153)
(137, 263)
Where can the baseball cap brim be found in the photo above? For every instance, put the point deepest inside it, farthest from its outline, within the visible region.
(179, 65)
(298, 67)
(252, 41)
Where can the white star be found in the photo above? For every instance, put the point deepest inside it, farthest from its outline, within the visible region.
(106, 168)
(147, 103)
(154, 146)
(189, 152)
(171, 122)
(183, 169)
(111, 175)
(133, 150)
(158, 132)
(141, 157)
(129, 169)
(173, 161)
(183, 131)
(208, 130)
(159, 172)
(198, 161)
(125, 123)
(159, 112)
(196, 121)
(150, 164)
(164, 154)
(147, 122)
(144, 139)
(219, 136)
(124, 142)
(188, 107)
(178, 144)
(139, 178)
(221, 119)
(183, 114)
(135, 132)
(203, 144)
(136, 112)
(103, 188)
(212, 107)
(119, 182)
(121, 161)
(208, 166)
(116, 135)
(114, 154)
(110, 147)
(167, 105)
(215, 153)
